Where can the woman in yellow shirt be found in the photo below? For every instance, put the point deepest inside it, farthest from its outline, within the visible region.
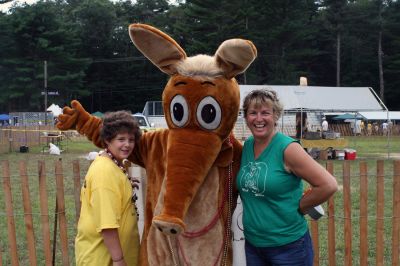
(107, 227)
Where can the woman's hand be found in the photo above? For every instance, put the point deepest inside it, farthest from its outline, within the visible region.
(111, 240)
(119, 263)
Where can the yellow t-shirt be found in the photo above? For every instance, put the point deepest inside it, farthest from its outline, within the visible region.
(106, 203)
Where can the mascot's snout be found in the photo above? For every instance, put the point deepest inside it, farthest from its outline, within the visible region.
(185, 174)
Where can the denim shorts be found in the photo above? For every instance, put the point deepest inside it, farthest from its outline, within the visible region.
(297, 253)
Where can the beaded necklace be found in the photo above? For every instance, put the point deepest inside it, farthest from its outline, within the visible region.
(131, 181)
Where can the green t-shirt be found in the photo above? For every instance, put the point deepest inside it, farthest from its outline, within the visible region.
(270, 195)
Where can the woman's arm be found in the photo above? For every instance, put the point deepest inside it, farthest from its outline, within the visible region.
(323, 184)
(111, 240)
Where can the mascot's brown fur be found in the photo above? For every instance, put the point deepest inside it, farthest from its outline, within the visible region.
(191, 165)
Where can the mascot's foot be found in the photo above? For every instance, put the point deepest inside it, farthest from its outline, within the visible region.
(168, 225)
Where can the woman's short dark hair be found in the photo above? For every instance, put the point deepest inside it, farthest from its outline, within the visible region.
(118, 122)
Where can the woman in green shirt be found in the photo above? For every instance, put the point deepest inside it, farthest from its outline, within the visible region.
(270, 183)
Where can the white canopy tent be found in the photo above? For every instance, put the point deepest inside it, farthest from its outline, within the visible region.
(55, 109)
(391, 115)
(327, 99)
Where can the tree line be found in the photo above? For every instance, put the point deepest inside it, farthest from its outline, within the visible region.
(90, 57)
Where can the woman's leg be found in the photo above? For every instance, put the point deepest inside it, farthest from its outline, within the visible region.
(253, 257)
(297, 253)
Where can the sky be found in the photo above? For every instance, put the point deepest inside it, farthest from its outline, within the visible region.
(6, 6)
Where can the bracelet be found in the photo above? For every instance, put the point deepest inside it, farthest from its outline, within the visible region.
(117, 260)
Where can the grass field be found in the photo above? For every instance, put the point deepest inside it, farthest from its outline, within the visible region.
(368, 149)
(76, 149)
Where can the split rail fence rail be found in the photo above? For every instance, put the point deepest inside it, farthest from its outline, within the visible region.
(335, 239)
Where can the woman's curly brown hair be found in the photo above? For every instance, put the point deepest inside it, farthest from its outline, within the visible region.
(118, 122)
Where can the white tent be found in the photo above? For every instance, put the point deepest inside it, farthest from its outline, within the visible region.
(329, 99)
(55, 109)
(391, 115)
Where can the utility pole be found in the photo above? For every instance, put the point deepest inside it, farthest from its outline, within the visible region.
(45, 92)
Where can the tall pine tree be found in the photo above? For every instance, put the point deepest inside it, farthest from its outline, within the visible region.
(39, 34)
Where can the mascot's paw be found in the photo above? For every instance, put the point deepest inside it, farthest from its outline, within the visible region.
(168, 225)
(69, 117)
(76, 117)
(72, 117)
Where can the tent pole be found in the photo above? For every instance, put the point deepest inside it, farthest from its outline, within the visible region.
(355, 129)
(388, 136)
(301, 122)
(387, 116)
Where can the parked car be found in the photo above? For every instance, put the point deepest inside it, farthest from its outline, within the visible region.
(143, 122)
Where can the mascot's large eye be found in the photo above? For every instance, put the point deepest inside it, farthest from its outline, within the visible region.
(179, 111)
(209, 113)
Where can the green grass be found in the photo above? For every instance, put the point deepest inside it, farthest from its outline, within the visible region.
(375, 146)
(355, 214)
(368, 149)
(76, 149)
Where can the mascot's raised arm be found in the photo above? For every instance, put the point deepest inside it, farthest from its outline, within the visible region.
(191, 165)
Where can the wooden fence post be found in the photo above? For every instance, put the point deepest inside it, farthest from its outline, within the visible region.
(30, 235)
(44, 211)
(12, 240)
(396, 213)
(77, 189)
(331, 224)
(380, 183)
(61, 212)
(363, 214)
(315, 240)
(347, 214)
(1, 257)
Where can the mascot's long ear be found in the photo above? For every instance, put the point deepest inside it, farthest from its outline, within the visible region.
(157, 46)
(234, 56)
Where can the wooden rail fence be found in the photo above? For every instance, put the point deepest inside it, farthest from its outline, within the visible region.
(341, 237)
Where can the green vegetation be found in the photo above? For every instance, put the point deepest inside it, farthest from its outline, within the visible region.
(376, 146)
(106, 72)
(355, 213)
(369, 149)
(77, 149)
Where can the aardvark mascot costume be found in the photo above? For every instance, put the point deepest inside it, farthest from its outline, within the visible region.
(191, 165)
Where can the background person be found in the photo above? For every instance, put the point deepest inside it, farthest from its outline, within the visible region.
(384, 128)
(369, 129)
(358, 127)
(301, 124)
(324, 127)
(107, 227)
(270, 182)
(362, 127)
(390, 127)
(376, 128)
